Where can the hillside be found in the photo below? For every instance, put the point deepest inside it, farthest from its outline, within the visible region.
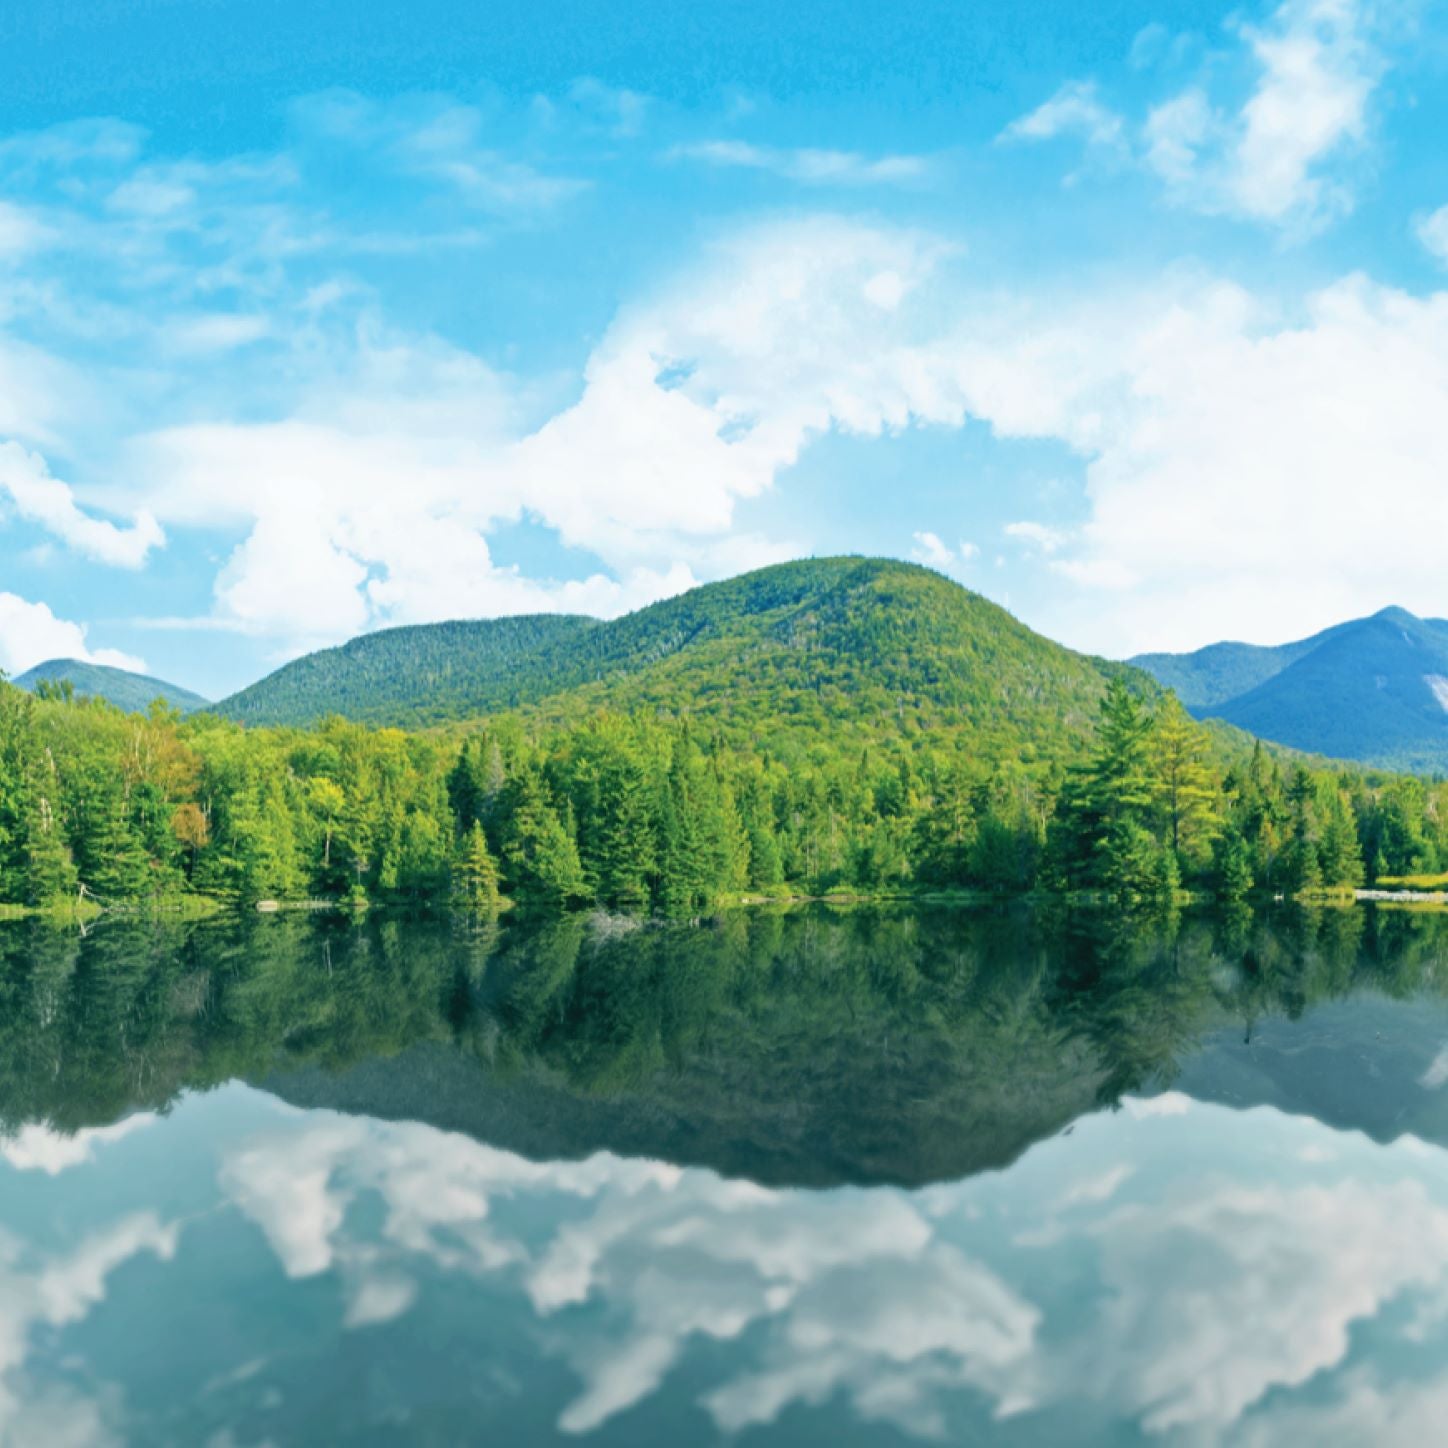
(1373, 690)
(421, 674)
(132, 692)
(854, 646)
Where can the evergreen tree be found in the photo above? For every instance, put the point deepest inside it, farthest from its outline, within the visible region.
(1187, 796)
(475, 873)
(541, 855)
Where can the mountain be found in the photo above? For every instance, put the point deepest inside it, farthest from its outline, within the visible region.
(131, 692)
(422, 674)
(857, 647)
(1374, 689)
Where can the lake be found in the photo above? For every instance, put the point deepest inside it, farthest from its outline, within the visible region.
(881, 1176)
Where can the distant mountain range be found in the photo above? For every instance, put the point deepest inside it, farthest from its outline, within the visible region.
(1374, 689)
(132, 692)
(844, 648)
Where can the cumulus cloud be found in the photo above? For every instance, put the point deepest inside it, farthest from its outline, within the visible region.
(36, 1147)
(931, 550)
(41, 498)
(1315, 66)
(1216, 1291)
(660, 1256)
(1223, 442)
(374, 502)
(1213, 1302)
(1227, 448)
(56, 1292)
(30, 634)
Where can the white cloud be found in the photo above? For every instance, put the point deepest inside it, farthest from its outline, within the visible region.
(809, 166)
(1227, 451)
(1317, 73)
(659, 1255)
(380, 1298)
(1212, 1302)
(40, 498)
(30, 634)
(436, 139)
(1363, 1409)
(1075, 110)
(1222, 443)
(931, 551)
(21, 231)
(1036, 535)
(210, 332)
(1203, 1289)
(39, 1148)
(54, 1293)
(1433, 233)
(373, 503)
(1315, 67)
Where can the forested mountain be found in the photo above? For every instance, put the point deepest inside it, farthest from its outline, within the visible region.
(847, 648)
(128, 691)
(1374, 689)
(421, 674)
(840, 725)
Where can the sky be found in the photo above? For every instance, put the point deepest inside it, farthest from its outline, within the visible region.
(318, 318)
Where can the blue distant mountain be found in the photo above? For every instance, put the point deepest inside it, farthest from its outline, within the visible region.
(131, 692)
(1374, 689)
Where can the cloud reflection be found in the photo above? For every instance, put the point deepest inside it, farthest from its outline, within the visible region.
(1203, 1292)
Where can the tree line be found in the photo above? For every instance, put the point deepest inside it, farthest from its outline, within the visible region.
(664, 816)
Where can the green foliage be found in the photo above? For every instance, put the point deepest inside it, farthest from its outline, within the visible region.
(837, 727)
(836, 650)
(475, 873)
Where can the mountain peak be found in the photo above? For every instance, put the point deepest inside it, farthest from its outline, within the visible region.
(1394, 614)
(868, 645)
(124, 688)
(1371, 689)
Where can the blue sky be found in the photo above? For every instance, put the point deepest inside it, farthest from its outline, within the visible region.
(316, 318)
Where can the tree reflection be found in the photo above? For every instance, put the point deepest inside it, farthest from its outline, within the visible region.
(810, 1046)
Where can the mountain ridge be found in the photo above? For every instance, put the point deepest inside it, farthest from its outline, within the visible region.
(125, 688)
(1373, 690)
(849, 644)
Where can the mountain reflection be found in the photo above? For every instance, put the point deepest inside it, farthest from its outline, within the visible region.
(802, 1048)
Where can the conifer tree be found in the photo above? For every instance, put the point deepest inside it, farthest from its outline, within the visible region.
(1186, 793)
(475, 873)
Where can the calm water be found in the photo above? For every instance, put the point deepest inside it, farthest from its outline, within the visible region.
(873, 1178)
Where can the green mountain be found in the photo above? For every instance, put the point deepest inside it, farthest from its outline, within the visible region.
(1373, 690)
(132, 692)
(423, 674)
(856, 647)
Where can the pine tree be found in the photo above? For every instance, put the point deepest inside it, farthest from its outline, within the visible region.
(475, 873)
(624, 860)
(541, 854)
(50, 873)
(1232, 865)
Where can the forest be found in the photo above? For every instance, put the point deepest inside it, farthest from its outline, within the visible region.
(638, 814)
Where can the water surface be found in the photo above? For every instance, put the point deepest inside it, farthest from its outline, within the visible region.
(799, 1177)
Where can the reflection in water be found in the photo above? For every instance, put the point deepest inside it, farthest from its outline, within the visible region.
(566, 1181)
